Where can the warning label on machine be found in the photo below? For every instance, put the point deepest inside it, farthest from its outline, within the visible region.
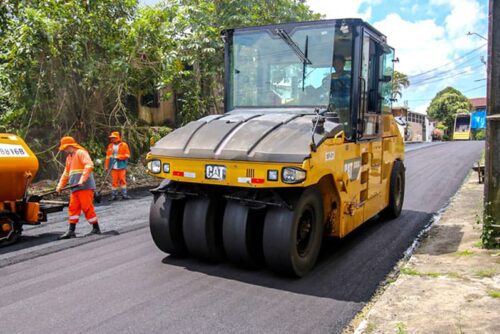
(12, 151)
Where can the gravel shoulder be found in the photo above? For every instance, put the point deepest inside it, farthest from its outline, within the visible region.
(449, 285)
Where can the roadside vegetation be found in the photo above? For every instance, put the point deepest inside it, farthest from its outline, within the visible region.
(78, 67)
(489, 233)
(445, 106)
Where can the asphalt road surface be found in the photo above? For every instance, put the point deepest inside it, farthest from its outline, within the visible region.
(121, 283)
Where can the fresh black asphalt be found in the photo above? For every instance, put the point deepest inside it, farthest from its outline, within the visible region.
(121, 283)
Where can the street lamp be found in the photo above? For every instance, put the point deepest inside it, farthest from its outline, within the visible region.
(475, 33)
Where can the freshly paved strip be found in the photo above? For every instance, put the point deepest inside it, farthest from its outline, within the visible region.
(124, 284)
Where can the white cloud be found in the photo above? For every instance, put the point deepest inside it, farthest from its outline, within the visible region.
(334, 9)
(420, 45)
(423, 44)
(465, 16)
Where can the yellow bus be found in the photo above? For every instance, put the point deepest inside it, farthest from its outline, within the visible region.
(461, 130)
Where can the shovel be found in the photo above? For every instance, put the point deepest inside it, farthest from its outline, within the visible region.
(98, 194)
(38, 198)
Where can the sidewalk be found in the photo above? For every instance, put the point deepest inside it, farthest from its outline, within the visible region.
(449, 285)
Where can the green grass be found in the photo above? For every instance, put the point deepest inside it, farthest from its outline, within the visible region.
(465, 252)
(454, 275)
(494, 293)
(401, 328)
(483, 273)
(370, 328)
(414, 272)
(390, 280)
(478, 244)
(410, 271)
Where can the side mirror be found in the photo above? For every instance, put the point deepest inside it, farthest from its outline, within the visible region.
(385, 78)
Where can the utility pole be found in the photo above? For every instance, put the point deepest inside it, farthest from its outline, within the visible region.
(492, 166)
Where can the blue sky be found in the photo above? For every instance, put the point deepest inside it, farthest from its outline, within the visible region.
(430, 38)
(431, 41)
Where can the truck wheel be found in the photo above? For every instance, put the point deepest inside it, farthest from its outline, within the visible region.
(396, 191)
(10, 231)
(292, 239)
(242, 235)
(165, 223)
(202, 231)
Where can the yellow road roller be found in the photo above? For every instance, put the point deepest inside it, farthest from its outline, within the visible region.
(307, 148)
(18, 167)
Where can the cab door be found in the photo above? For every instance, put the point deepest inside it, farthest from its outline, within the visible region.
(370, 125)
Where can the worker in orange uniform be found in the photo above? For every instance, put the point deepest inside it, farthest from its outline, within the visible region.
(117, 156)
(78, 173)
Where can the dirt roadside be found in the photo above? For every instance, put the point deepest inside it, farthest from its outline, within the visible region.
(449, 285)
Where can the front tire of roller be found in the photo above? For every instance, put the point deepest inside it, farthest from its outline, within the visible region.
(292, 239)
(165, 223)
(396, 191)
(202, 231)
(242, 235)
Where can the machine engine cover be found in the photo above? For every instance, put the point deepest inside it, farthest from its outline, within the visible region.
(247, 135)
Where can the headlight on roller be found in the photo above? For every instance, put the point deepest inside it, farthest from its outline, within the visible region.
(166, 168)
(293, 175)
(154, 166)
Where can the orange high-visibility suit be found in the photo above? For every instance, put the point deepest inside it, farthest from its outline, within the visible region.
(117, 155)
(78, 170)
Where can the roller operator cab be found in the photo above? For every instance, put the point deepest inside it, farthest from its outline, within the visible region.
(307, 148)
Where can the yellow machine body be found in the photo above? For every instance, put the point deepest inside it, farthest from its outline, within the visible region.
(307, 148)
(351, 176)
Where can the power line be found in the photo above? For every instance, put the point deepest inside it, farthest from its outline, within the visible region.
(444, 72)
(470, 90)
(439, 78)
(451, 62)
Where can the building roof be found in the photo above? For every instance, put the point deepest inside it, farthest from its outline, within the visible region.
(478, 102)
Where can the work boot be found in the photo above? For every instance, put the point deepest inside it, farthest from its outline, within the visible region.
(114, 195)
(124, 194)
(95, 230)
(70, 233)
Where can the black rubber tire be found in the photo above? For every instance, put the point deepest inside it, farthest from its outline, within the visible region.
(16, 225)
(242, 230)
(165, 224)
(280, 240)
(202, 230)
(396, 191)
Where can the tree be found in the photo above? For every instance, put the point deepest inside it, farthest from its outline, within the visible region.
(446, 104)
(199, 48)
(74, 67)
(399, 82)
(64, 65)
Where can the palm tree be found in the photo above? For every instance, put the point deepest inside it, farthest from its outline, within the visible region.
(399, 82)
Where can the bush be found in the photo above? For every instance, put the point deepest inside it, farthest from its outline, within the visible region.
(479, 134)
(437, 134)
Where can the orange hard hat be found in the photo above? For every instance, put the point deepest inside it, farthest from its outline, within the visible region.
(68, 141)
(115, 134)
